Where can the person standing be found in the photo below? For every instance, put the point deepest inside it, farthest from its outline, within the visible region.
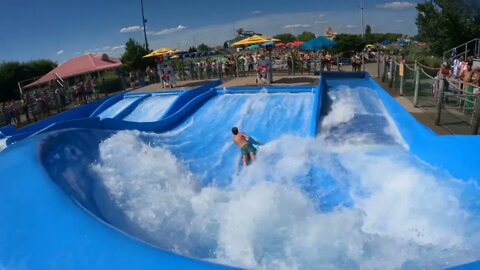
(467, 78)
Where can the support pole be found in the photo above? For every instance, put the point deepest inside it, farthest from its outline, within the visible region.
(402, 82)
(378, 65)
(440, 101)
(417, 84)
(392, 72)
(384, 75)
(476, 115)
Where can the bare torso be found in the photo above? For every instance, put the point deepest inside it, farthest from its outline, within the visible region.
(467, 76)
(239, 140)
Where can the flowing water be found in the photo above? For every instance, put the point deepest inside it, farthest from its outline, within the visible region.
(116, 108)
(351, 198)
(151, 109)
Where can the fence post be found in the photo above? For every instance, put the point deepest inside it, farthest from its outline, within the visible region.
(417, 84)
(440, 101)
(293, 66)
(378, 65)
(220, 70)
(476, 115)
(236, 66)
(384, 75)
(402, 77)
(392, 73)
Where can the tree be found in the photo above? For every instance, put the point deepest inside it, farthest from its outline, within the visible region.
(285, 38)
(133, 59)
(13, 72)
(203, 47)
(347, 43)
(368, 30)
(448, 23)
(368, 34)
(192, 49)
(306, 36)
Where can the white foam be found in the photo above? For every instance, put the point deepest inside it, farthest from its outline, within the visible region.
(342, 112)
(3, 144)
(403, 215)
(151, 109)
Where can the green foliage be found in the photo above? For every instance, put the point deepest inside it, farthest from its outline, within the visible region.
(203, 47)
(133, 59)
(448, 23)
(111, 82)
(306, 36)
(285, 38)
(347, 44)
(192, 49)
(423, 56)
(13, 72)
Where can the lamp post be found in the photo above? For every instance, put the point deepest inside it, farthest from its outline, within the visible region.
(361, 18)
(144, 28)
(363, 34)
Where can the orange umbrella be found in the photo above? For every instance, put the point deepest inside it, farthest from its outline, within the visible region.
(280, 44)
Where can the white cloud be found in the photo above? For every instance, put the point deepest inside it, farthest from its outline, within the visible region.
(60, 52)
(399, 21)
(272, 24)
(129, 29)
(114, 48)
(321, 22)
(397, 5)
(297, 25)
(255, 12)
(167, 31)
(350, 26)
(320, 16)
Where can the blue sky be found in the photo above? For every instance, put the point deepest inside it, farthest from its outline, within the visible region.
(61, 29)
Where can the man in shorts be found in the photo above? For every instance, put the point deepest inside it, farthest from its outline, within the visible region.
(246, 148)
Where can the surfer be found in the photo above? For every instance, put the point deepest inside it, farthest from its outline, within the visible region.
(245, 143)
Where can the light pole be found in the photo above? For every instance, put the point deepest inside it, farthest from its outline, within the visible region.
(144, 28)
(361, 18)
(363, 34)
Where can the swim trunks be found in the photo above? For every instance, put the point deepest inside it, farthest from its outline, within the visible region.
(247, 149)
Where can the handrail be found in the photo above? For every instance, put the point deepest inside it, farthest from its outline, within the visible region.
(412, 69)
(426, 74)
(460, 46)
(427, 67)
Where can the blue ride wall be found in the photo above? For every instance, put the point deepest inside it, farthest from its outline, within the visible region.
(45, 219)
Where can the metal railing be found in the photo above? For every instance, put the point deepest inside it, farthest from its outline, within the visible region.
(470, 48)
(446, 100)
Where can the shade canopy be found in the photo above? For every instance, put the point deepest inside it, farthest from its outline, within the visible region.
(268, 43)
(80, 65)
(256, 39)
(280, 44)
(253, 47)
(318, 43)
(296, 43)
(160, 52)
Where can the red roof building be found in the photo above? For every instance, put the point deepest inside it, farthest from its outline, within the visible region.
(77, 66)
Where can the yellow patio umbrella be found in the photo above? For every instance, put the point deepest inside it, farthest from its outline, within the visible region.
(256, 39)
(160, 52)
(174, 57)
(369, 46)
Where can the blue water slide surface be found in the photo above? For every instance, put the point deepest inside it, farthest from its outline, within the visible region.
(345, 178)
